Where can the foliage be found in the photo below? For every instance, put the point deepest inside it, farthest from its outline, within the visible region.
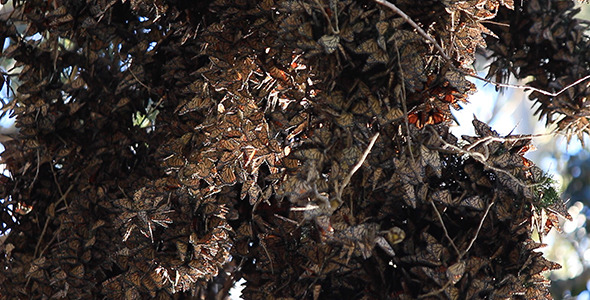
(169, 148)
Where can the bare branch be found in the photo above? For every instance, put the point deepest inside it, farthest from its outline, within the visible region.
(478, 228)
(527, 87)
(346, 180)
(442, 223)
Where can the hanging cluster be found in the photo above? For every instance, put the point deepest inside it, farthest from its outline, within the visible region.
(546, 43)
(171, 148)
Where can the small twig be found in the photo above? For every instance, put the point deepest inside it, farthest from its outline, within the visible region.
(346, 180)
(55, 180)
(434, 293)
(6, 74)
(48, 244)
(305, 208)
(334, 31)
(442, 223)
(36, 172)
(478, 228)
(416, 26)
(62, 198)
(41, 237)
(139, 81)
(527, 87)
(263, 244)
(488, 139)
(495, 23)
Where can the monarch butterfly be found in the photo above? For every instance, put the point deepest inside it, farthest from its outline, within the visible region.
(376, 57)
(374, 105)
(504, 211)
(74, 245)
(443, 196)
(314, 253)
(432, 159)
(60, 275)
(550, 222)
(291, 22)
(526, 162)
(330, 43)
(484, 14)
(382, 27)
(228, 157)
(452, 292)
(367, 47)
(474, 202)
(452, 100)
(254, 193)
(395, 235)
(455, 272)
(477, 287)
(256, 117)
(474, 264)
(541, 264)
(23, 209)
(31, 144)
(77, 271)
(309, 154)
(428, 115)
(306, 30)
(508, 3)
(345, 120)
(150, 285)
(261, 132)
(409, 195)
(228, 175)
(113, 285)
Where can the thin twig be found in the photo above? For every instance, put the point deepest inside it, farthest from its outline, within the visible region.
(442, 223)
(326, 16)
(434, 293)
(494, 23)
(41, 237)
(55, 180)
(36, 172)
(527, 87)
(263, 244)
(488, 139)
(478, 228)
(48, 244)
(346, 180)
(62, 198)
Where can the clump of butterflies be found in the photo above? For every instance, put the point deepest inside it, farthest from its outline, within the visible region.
(561, 82)
(302, 145)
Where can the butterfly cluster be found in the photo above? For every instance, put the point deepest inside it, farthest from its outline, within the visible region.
(168, 149)
(558, 96)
